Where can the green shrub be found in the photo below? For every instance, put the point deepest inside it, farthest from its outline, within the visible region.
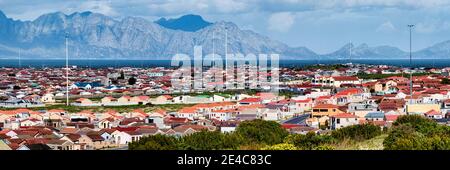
(260, 131)
(414, 132)
(357, 132)
(310, 141)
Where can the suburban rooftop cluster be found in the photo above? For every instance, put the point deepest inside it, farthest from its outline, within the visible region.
(112, 107)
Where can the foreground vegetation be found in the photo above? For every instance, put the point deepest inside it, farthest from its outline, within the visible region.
(256, 135)
(415, 132)
(410, 132)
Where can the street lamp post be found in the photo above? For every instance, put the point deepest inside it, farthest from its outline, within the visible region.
(410, 63)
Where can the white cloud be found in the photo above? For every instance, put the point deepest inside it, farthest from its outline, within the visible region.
(103, 7)
(281, 22)
(174, 7)
(432, 26)
(386, 27)
(301, 5)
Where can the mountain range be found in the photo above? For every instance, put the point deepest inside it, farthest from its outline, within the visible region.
(96, 36)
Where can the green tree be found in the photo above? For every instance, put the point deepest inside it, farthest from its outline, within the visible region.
(260, 131)
(122, 75)
(445, 81)
(132, 81)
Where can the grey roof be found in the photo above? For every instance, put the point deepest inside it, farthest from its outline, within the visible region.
(375, 115)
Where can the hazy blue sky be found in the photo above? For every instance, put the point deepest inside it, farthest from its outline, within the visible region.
(321, 25)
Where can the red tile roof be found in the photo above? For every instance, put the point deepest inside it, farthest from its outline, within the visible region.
(391, 117)
(345, 78)
(250, 100)
(432, 112)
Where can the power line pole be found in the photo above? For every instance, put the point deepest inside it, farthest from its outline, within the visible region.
(20, 63)
(410, 63)
(67, 69)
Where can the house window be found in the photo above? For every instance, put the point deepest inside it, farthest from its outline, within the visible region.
(338, 121)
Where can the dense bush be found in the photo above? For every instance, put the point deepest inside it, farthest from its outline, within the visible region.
(414, 132)
(357, 132)
(281, 146)
(248, 133)
(156, 142)
(206, 140)
(260, 134)
(310, 141)
(260, 131)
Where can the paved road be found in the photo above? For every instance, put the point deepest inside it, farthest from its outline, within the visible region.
(301, 119)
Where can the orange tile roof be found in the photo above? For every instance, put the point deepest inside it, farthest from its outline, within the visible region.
(188, 110)
(345, 115)
(349, 91)
(432, 112)
(326, 106)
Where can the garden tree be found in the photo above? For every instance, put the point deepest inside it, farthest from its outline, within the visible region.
(310, 141)
(445, 81)
(3, 98)
(414, 132)
(156, 142)
(122, 75)
(260, 131)
(15, 87)
(132, 81)
(357, 132)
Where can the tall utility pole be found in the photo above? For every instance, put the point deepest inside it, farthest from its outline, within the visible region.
(20, 62)
(410, 63)
(351, 50)
(67, 69)
(226, 49)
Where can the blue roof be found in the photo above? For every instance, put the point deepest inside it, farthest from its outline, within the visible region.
(375, 115)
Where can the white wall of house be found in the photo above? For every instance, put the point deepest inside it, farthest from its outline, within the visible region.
(121, 138)
(337, 123)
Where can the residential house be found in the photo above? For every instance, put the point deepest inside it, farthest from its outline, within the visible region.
(374, 116)
(433, 114)
(421, 108)
(325, 110)
(190, 113)
(343, 120)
